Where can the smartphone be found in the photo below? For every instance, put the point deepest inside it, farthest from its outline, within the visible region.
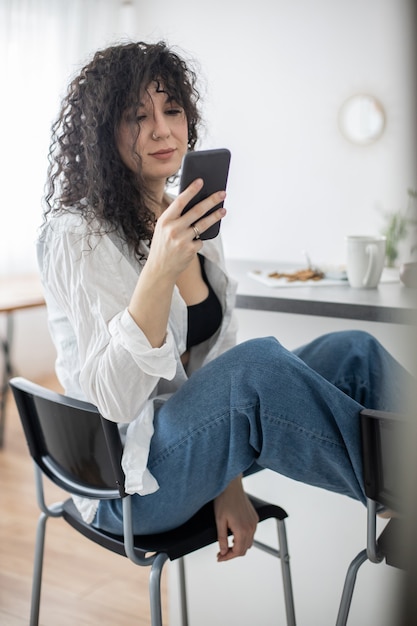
(213, 167)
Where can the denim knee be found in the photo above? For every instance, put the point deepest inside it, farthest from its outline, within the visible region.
(357, 363)
(259, 349)
(258, 345)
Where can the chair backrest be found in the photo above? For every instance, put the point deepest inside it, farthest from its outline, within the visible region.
(70, 441)
(383, 438)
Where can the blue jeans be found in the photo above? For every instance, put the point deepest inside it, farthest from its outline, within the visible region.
(262, 406)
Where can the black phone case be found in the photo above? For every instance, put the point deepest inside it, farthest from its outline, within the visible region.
(213, 167)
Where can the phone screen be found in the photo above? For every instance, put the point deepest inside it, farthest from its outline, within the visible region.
(213, 167)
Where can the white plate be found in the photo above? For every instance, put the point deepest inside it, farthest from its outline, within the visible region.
(264, 277)
(332, 277)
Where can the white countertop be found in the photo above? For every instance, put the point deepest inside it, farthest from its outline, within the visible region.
(390, 302)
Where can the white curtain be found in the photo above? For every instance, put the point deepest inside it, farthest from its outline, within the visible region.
(42, 44)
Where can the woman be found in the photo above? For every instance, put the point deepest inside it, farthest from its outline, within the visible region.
(141, 313)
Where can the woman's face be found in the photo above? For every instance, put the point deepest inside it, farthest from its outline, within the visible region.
(162, 139)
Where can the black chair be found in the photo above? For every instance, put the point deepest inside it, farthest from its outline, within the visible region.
(383, 438)
(80, 451)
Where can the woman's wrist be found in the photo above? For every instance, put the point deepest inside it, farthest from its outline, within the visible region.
(150, 305)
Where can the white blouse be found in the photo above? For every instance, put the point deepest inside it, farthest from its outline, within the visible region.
(102, 355)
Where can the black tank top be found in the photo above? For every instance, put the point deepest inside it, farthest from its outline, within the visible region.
(205, 317)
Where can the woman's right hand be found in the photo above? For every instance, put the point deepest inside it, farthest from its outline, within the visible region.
(173, 243)
(173, 248)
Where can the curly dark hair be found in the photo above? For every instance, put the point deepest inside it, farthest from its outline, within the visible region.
(86, 172)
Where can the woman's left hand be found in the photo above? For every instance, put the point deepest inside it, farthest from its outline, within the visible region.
(234, 511)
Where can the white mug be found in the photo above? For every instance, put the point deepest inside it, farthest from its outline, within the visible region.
(365, 260)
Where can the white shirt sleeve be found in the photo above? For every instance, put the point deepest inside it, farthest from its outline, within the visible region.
(90, 282)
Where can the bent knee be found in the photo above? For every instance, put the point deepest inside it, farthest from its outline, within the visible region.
(258, 347)
(266, 352)
(361, 338)
(351, 338)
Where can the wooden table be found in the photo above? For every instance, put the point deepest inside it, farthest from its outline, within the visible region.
(390, 302)
(19, 292)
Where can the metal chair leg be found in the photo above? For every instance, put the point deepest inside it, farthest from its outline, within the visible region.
(47, 511)
(155, 588)
(183, 591)
(7, 373)
(286, 573)
(37, 569)
(282, 554)
(348, 588)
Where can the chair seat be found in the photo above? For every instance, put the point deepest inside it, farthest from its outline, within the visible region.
(196, 533)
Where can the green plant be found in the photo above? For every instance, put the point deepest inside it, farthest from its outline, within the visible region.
(397, 227)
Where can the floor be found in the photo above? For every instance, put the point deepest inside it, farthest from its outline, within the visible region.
(83, 584)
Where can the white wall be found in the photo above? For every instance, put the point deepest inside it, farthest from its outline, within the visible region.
(276, 75)
(33, 353)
